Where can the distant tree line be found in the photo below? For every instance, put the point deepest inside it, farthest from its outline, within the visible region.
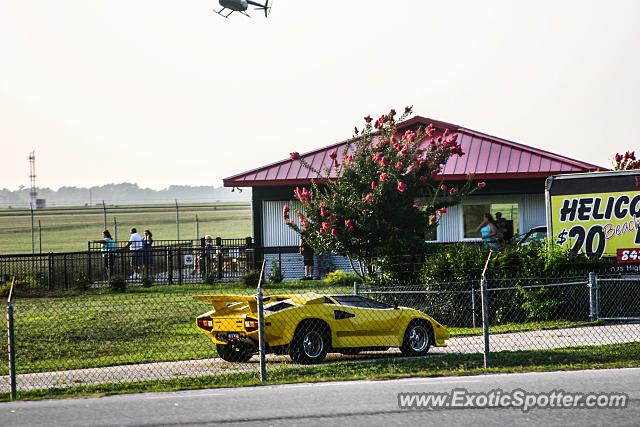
(121, 193)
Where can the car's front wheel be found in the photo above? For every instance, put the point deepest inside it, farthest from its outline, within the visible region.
(310, 343)
(234, 352)
(417, 338)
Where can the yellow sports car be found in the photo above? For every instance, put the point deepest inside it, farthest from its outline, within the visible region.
(307, 326)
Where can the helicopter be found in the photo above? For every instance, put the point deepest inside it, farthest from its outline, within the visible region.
(241, 6)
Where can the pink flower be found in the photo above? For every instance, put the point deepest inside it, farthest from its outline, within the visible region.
(383, 177)
(402, 186)
(348, 225)
(443, 187)
(348, 158)
(285, 213)
(430, 129)
(333, 155)
(294, 156)
(482, 184)
(373, 185)
(368, 197)
(453, 191)
(333, 232)
(368, 119)
(399, 165)
(442, 211)
(324, 227)
(376, 157)
(434, 219)
(410, 135)
(323, 212)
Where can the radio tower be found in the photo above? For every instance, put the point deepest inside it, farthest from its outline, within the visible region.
(32, 178)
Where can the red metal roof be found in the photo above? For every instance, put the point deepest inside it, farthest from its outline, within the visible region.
(486, 157)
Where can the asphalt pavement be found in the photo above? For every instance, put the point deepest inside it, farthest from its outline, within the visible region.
(357, 403)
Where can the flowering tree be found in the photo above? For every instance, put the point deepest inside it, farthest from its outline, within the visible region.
(380, 196)
(626, 161)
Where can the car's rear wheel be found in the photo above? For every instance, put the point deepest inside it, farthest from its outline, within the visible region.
(234, 352)
(310, 343)
(417, 338)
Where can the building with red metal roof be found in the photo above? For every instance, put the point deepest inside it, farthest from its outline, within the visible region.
(515, 174)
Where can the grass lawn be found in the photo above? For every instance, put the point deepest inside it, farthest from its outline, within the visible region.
(69, 230)
(105, 329)
(606, 356)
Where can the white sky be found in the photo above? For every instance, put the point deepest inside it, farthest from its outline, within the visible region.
(166, 92)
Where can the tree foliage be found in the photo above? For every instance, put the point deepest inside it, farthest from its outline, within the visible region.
(380, 195)
(626, 161)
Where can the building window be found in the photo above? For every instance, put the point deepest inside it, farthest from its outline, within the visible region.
(473, 215)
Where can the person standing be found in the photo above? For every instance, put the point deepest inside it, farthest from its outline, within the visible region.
(307, 258)
(108, 249)
(135, 246)
(502, 225)
(489, 232)
(147, 252)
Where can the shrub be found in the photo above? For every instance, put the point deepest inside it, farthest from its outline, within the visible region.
(251, 278)
(146, 281)
(537, 304)
(81, 281)
(276, 272)
(117, 284)
(341, 278)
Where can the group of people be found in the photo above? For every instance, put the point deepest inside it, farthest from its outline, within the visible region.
(140, 247)
(494, 232)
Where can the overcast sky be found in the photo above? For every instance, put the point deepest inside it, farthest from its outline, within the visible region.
(166, 92)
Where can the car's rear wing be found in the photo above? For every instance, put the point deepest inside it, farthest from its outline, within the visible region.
(227, 302)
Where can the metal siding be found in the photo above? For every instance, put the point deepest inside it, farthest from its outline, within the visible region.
(532, 211)
(274, 231)
(449, 225)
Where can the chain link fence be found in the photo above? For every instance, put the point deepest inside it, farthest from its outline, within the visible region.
(160, 334)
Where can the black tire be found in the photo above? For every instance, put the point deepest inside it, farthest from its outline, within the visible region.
(417, 338)
(310, 343)
(234, 352)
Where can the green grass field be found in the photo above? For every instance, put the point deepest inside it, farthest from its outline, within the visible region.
(69, 229)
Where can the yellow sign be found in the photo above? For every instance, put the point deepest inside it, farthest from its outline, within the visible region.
(596, 224)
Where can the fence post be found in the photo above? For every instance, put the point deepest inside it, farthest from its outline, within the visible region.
(180, 262)
(11, 343)
(261, 339)
(594, 297)
(50, 268)
(484, 298)
(170, 266)
(485, 320)
(473, 306)
(355, 287)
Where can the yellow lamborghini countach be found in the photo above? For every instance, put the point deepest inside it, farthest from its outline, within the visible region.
(308, 326)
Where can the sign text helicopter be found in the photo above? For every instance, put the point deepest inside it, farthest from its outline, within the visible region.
(241, 6)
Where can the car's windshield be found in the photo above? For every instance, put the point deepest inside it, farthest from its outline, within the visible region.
(358, 301)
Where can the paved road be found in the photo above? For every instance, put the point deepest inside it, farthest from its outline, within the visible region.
(531, 340)
(357, 403)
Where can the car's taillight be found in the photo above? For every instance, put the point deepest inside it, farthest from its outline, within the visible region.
(250, 325)
(205, 323)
